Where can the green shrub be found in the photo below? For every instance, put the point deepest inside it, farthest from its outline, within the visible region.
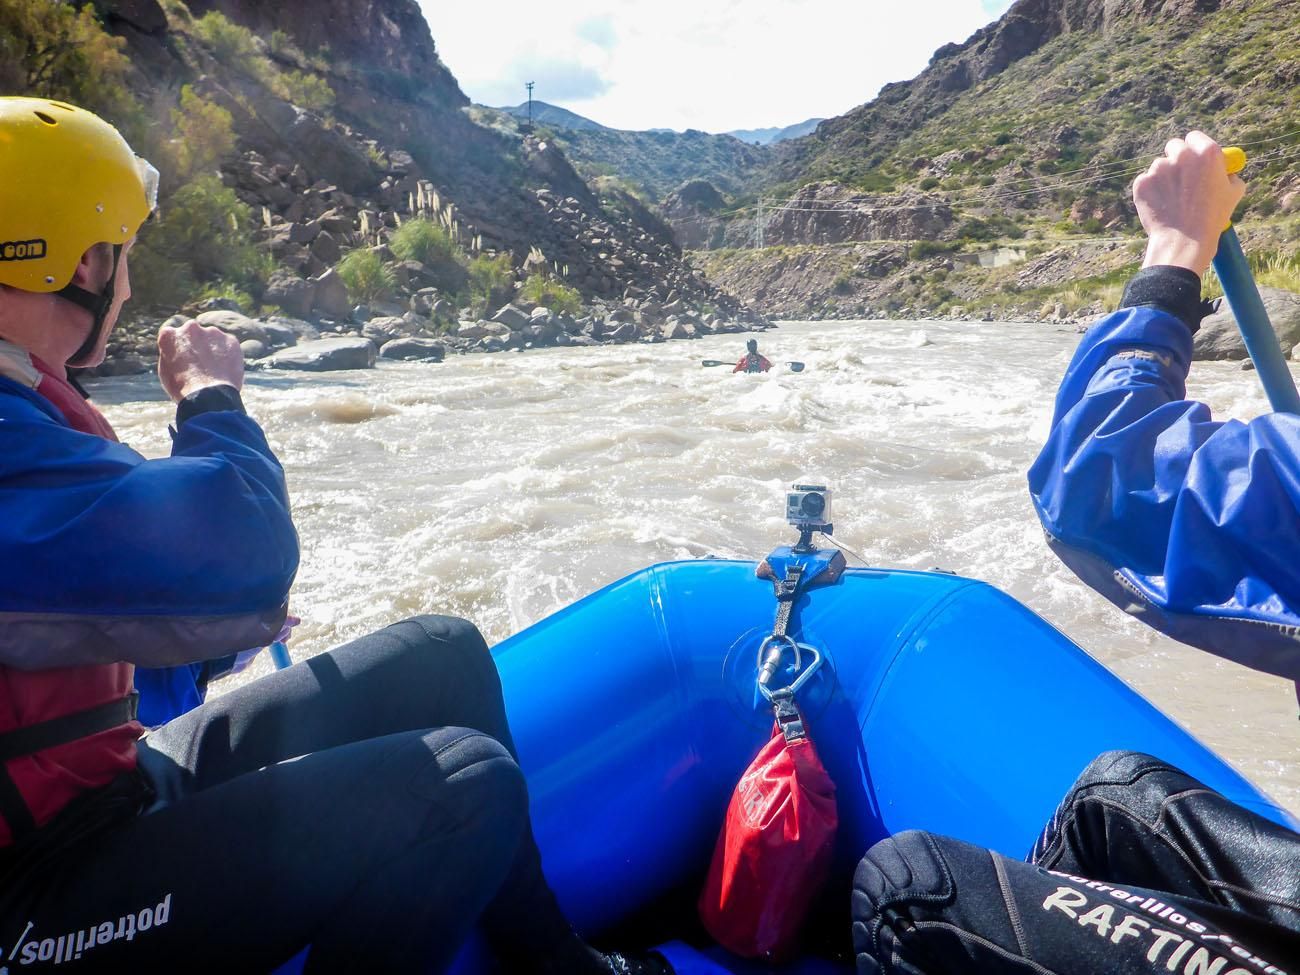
(282, 44)
(559, 298)
(929, 248)
(490, 278)
(158, 280)
(365, 275)
(204, 134)
(308, 91)
(424, 241)
(203, 235)
(929, 183)
(230, 43)
(230, 291)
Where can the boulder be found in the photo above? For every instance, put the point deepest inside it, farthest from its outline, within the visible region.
(331, 296)
(217, 304)
(252, 349)
(302, 331)
(512, 317)
(422, 301)
(336, 222)
(1219, 338)
(144, 15)
(385, 329)
(678, 330)
(291, 293)
(483, 329)
(281, 333)
(233, 323)
(303, 233)
(325, 355)
(414, 348)
(325, 248)
(623, 332)
(125, 365)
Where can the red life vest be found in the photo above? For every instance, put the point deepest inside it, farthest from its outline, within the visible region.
(68, 730)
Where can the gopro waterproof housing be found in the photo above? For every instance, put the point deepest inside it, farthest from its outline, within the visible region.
(808, 507)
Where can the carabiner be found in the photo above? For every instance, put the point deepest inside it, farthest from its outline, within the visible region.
(769, 662)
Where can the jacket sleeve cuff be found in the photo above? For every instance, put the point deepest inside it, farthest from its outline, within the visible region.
(210, 399)
(1175, 290)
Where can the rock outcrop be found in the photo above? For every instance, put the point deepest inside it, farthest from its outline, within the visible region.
(1219, 337)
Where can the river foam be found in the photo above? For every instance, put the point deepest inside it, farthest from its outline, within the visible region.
(503, 487)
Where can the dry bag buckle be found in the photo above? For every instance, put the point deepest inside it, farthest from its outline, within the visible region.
(770, 654)
(788, 716)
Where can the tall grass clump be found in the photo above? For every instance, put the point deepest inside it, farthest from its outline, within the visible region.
(365, 275)
(424, 241)
(560, 298)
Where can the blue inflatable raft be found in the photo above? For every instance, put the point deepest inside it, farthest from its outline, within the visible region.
(942, 704)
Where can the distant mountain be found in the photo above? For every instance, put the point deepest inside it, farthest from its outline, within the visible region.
(654, 161)
(554, 117)
(765, 137)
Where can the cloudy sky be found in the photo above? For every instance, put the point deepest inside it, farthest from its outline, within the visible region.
(704, 64)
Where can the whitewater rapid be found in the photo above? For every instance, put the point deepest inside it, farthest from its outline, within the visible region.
(501, 487)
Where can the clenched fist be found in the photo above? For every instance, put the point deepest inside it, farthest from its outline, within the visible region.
(193, 356)
(1185, 201)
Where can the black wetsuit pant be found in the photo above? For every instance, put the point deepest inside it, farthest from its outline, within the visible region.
(1142, 870)
(365, 802)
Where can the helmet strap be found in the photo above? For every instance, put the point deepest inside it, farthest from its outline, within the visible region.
(97, 304)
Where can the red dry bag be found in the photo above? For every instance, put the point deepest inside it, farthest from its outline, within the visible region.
(774, 851)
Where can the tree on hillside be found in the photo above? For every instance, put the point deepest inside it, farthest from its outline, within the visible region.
(53, 49)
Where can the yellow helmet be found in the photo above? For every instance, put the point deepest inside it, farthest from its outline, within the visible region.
(68, 181)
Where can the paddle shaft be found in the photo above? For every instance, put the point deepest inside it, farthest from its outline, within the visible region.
(1257, 333)
(280, 655)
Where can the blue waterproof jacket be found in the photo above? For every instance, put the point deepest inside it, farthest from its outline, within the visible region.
(1191, 524)
(106, 556)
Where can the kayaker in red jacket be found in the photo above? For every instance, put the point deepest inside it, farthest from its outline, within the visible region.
(752, 361)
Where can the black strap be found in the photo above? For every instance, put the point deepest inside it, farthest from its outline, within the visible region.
(12, 808)
(66, 728)
(97, 304)
(786, 591)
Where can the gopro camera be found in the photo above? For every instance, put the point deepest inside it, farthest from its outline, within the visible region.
(808, 507)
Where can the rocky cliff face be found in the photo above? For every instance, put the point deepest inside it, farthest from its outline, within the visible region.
(956, 68)
(383, 35)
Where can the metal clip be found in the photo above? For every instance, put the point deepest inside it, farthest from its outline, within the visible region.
(770, 653)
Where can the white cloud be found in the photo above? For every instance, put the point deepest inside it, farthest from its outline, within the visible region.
(704, 64)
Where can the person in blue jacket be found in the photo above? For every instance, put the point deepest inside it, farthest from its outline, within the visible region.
(1193, 525)
(1190, 523)
(361, 810)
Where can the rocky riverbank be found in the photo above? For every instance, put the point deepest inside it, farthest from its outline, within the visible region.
(420, 331)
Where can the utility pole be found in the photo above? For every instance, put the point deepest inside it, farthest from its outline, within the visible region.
(529, 85)
(758, 222)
